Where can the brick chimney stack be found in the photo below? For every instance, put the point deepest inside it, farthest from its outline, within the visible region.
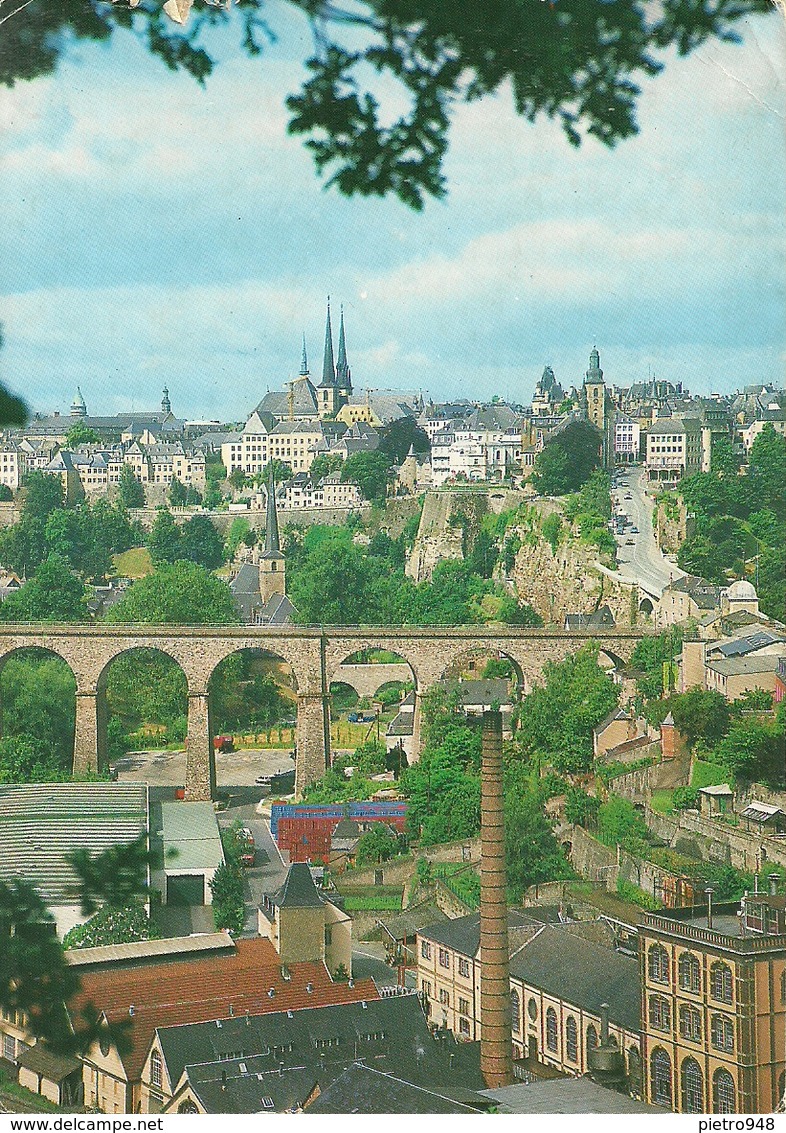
(496, 1038)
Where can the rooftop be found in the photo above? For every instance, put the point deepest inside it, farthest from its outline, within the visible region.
(564, 1095)
(198, 989)
(43, 822)
(190, 836)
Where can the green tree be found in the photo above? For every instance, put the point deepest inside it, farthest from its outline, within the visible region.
(114, 877)
(700, 714)
(532, 853)
(767, 471)
(80, 434)
(559, 60)
(397, 438)
(239, 532)
(37, 692)
(551, 530)
(53, 594)
(324, 465)
(557, 718)
(723, 459)
(201, 543)
(581, 807)
(226, 886)
(164, 541)
(335, 587)
(238, 479)
(567, 459)
(132, 493)
(377, 845)
(370, 471)
(34, 976)
(754, 751)
(25, 758)
(178, 495)
(112, 925)
(620, 823)
(181, 594)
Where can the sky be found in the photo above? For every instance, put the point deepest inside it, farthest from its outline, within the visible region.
(157, 233)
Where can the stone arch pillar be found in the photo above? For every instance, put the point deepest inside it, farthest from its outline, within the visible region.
(313, 737)
(90, 739)
(200, 753)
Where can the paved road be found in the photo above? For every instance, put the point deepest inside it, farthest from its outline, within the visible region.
(233, 769)
(643, 562)
(269, 869)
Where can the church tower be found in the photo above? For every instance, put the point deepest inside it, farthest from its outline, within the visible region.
(599, 407)
(272, 565)
(343, 373)
(166, 404)
(327, 387)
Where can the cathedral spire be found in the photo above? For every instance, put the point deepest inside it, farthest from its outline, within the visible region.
(328, 365)
(272, 542)
(343, 377)
(304, 361)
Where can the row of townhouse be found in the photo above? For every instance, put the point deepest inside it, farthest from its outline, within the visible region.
(699, 1018)
(20, 456)
(92, 470)
(486, 446)
(296, 443)
(329, 492)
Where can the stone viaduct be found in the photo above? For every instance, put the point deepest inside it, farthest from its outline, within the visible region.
(315, 656)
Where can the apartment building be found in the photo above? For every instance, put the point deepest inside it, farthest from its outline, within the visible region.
(714, 1006)
(561, 984)
(674, 449)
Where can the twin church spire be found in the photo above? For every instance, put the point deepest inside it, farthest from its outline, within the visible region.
(335, 375)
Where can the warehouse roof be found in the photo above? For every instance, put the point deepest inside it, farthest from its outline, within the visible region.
(190, 836)
(43, 822)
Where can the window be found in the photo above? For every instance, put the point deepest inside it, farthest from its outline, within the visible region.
(723, 1092)
(692, 1087)
(551, 1030)
(444, 958)
(425, 950)
(571, 1039)
(515, 1011)
(155, 1070)
(532, 1009)
(783, 986)
(660, 1076)
(722, 1033)
(721, 983)
(592, 1037)
(463, 966)
(444, 997)
(658, 964)
(464, 1027)
(689, 972)
(9, 1048)
(660, 1013)
(690, 1023)
(463, 1006)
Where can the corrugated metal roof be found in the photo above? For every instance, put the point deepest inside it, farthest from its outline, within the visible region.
(190, 836)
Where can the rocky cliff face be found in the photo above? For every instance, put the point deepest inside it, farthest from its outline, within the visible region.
(566, 581)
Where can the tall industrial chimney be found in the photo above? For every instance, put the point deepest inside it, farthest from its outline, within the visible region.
(496, 1058)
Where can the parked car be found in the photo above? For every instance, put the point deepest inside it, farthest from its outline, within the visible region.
(247, 846)
(630, 542)
(634, 530)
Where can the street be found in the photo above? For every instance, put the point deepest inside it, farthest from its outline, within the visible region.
(643, 562)
(233, 768)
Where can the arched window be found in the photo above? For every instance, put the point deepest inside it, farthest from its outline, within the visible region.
(551, 1030)
(690, 1023)
(571, 1039)
(723, 1093)
(722, 1032)
(155, 1070)
(660, 1076)
(515, 1010)
(660, 1013)
(692, 1087)
(721, 986)
(592, 1037)
(689, 972)
(658, 962)
(532, 1009)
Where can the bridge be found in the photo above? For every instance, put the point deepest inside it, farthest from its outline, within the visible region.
(315, 656)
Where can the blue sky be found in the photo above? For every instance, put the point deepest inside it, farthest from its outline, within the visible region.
(155, 233)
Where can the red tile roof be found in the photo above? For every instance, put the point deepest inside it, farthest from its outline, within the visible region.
(196, 990)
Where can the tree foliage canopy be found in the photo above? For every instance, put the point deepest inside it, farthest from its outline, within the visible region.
(384, 77)
(180, 594)
(567, 459)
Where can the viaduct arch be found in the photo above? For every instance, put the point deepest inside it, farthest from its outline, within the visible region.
(314, 655)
